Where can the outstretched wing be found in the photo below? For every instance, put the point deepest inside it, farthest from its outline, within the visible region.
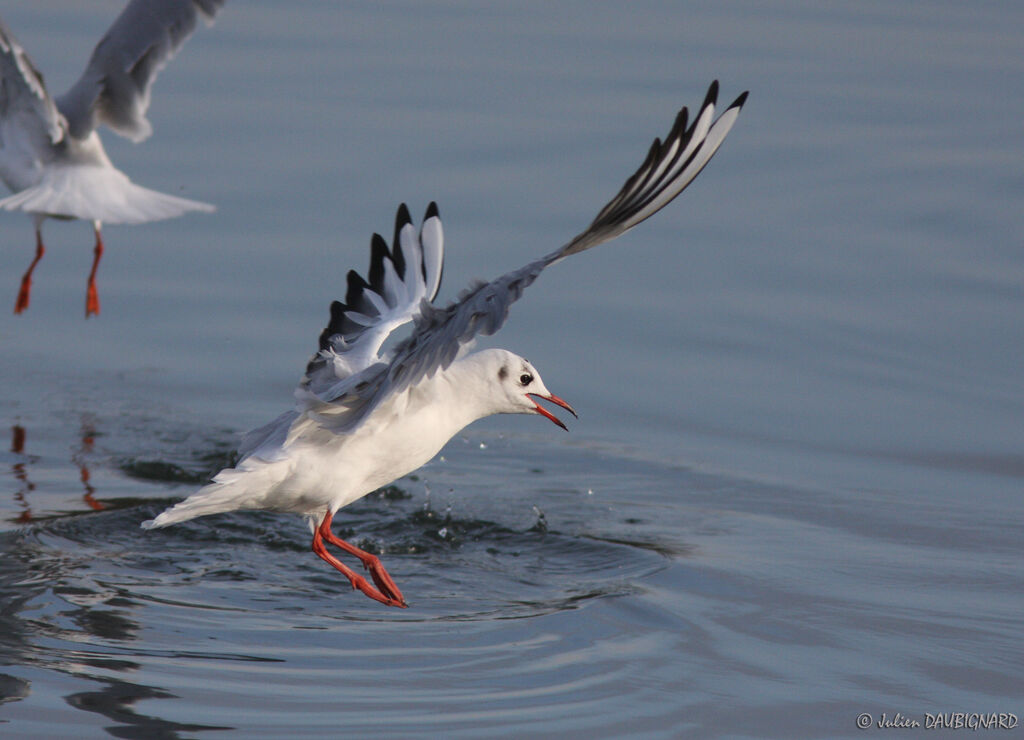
(666, 172)
(482, 309)
(115, 87)
(400, 281)
(30, 124)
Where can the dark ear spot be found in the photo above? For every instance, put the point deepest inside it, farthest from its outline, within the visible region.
(503, 373)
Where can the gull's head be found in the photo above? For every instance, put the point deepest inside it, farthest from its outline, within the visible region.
(518, 387)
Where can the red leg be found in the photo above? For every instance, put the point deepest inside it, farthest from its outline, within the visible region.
(388, 593)
(26, 281)
(92, 297)
(370, 562)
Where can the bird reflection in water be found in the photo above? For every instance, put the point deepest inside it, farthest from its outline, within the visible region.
(21, 475)
(79, 456)
(116, 700)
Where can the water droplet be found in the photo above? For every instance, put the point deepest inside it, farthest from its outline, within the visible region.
(541, 524)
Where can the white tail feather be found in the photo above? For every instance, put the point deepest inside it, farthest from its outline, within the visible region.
(225, 493)
(97, 193)
(213, 499)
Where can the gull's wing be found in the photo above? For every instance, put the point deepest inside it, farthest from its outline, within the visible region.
(116, 84)
(668, 169)
(400, 281)
(30, 124)
(482, 309)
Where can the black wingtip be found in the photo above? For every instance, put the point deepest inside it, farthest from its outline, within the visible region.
(338, 310)
(738, 102)
(712, 97)
(378, 252)
(354, 289)
(402, 217)
(432, 211)
(679, 125)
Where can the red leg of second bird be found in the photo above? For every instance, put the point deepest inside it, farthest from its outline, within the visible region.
(25, 292)
(92, 296)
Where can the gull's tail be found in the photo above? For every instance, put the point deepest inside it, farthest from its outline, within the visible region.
(226, 493)
(203, 502)
(97, 193)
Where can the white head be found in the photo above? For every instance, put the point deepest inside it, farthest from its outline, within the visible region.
(513, 385)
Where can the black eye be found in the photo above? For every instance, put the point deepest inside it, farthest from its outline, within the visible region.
(525, 378)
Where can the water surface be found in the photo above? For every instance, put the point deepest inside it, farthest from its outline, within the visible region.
(793, 494)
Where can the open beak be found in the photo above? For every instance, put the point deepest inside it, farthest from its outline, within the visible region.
(555, 400)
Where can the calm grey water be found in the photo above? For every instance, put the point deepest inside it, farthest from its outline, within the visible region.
(794, 492)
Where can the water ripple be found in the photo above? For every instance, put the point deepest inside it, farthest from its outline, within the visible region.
(193, 612)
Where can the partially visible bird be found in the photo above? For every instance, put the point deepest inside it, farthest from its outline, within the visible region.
(364, 418)
(51, 155)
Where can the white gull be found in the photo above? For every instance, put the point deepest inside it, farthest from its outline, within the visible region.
(364, 417)
(50, 153)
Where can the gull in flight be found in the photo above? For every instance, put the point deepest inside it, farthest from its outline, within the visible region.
(364, 417)
(51, 155)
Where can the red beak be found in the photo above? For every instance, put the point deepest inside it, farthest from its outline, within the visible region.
(555, 400)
